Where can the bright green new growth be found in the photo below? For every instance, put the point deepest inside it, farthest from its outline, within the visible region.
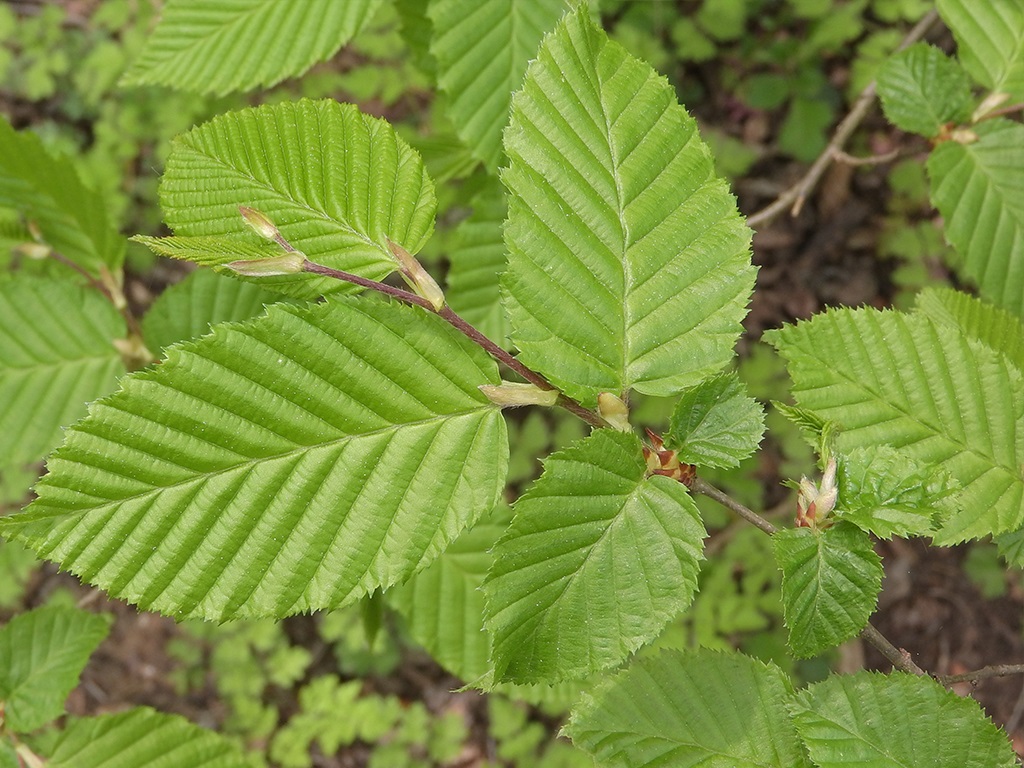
(922, 89)
(628, 261)
(596, 561)
(291, 463)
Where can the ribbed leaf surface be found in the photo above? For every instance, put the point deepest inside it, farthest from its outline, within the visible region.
(938, 396)
(477, 261)
(922, 89)
(482, 50)
(716, 423)
(291, 463)
(42, 653)
(830, 584)
(219, 46)
(48, 192)
(204, 298)
(335, 182)
(56, 355)
(597, 560)
(990, 41)
(703, 709)
(979, 189)
(995, 328)
(142, 738)
(628, 261)
(896, 721)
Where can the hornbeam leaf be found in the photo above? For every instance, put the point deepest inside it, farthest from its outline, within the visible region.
(596, 561)
(482, 50)
(830, 584)
(628, 262)
(995, 328)
(219, 46)
(922, 89)
(989, 39)
(700, 709)
(291, 463)
(978, 190)
(56, 355)
(337, 184)
(896, 721)
(938, 396)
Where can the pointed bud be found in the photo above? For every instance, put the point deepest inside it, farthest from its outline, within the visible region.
(259, 222)
(614, 411)
(34, 251)
(416, 277)
(512, 394)
(286, 264)
(963, 136)
(988, 105)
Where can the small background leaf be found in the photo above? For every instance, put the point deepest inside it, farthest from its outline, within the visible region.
(922, 89)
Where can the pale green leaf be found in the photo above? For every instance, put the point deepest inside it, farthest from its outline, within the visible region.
(482, 50)
(291, 463)
(1011, 547)
(937, 396)
(8, 756)
(819, 433)
(896, 721)
(995, 328)
(56, 355)
(188, 309)
(219, 46)
(48, 192)
(990, 41)
(979, 190)
(922, 89)
(142, 738)
(42, 653)
(336, 183)
(889, 494)
(701, 709)
(477, 260)
(596, 561)
(628, 261)
(716, 423)
(830, 584)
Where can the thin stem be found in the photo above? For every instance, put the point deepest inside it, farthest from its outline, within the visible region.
(898, 657)
(985, 673)
(847, 159)
(702, 486)
(794, 197)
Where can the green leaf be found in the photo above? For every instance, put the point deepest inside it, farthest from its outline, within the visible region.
(8, 755)
(1011, 547)
(978, 190)
(996, 328)
(702, 708)
(142, 738)
(204, 298)
(477, 260)
(596, 561)
(628, 261)
(219, 46)
(291, 463)
(922, 89)
(830, 584)
(716, 423)
(56, 354)
(47, 191)
(42, 653)
(896, 721)
(990, 41)
(482, 50)
(335, 182)
(937, 396)
(888, 494)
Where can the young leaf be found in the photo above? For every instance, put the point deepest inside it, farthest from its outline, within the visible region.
(628, 261)
(204, 298)
(42, 653)
(988, 37)
(830, 584)
(922, 89)
(937, 396)
(142, 738)
(702, 708)
(47, 191)
(995, 328)
(597, 560)
(291, 463)
(1011, 547)
(219, 46)
(716, 424)
(888, 494)
(482, 50)
(977, 189)
(56, 354)
(336, 183)
(896, 721)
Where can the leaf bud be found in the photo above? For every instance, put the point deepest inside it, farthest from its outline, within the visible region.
(989, 104)
(290, 263)
(259, 222)
(34, 251)
(511, 394)
(613, 410)
(416, 277)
